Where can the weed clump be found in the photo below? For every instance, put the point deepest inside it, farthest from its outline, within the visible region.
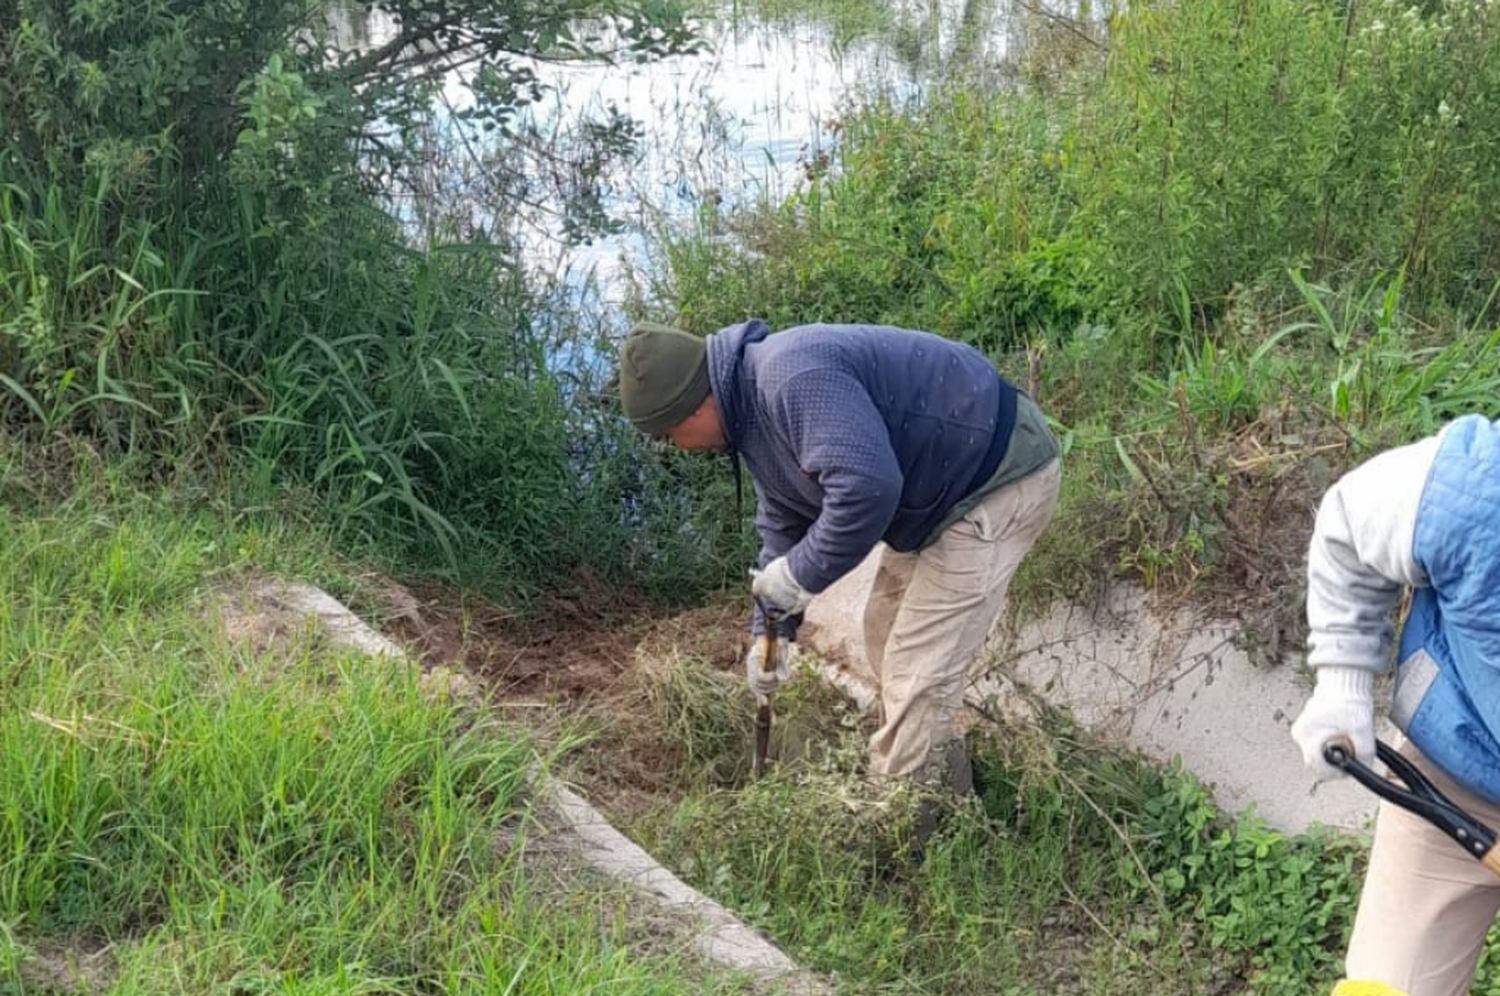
(1269, 907)
(1074, 866)
(699, 717)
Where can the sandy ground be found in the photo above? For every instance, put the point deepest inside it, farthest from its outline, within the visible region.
(1168, 683)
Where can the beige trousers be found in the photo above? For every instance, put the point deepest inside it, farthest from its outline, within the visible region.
(1426, 903)
(929, 613)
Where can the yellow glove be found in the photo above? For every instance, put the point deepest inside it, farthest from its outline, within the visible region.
(1354, 987)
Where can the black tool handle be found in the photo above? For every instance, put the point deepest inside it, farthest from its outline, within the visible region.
(1418, 795)
(762, 738)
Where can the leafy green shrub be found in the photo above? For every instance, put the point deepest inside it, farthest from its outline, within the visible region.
(1284, 903)
(946, 216)
(1217, 145)
(1280, 905)
(1153, 887)
(202, 273)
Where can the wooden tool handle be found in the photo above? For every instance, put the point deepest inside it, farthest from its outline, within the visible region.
(767, 641)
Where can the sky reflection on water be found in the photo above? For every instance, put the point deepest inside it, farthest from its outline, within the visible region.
(735, 123)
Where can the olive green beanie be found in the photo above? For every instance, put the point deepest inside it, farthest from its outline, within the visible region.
(663, 376)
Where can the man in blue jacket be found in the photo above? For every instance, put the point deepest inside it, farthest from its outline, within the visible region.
(1423, 518)
(857, 435)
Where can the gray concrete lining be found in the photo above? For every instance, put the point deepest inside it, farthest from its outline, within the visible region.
(719, 936)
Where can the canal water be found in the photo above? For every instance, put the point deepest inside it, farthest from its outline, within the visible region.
(737, 122)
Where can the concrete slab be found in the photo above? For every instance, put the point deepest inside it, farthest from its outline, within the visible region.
(1168, 683)
(716, 934)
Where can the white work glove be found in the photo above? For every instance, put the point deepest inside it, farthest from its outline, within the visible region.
(775, 586)
(1342, 704)
(763, 682)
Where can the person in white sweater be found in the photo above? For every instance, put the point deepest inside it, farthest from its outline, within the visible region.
(1423, 518)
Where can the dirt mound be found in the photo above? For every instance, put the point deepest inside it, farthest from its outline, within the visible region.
(565, 651)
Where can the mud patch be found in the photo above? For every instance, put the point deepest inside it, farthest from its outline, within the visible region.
(77, 964)
(596, 661)
(563, 652)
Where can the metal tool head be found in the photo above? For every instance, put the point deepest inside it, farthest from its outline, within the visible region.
(1407, 787)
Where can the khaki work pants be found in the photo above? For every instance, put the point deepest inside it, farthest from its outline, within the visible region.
(929, 612)
(1426, 903)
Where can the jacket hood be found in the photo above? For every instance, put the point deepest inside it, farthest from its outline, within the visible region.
(726, 374)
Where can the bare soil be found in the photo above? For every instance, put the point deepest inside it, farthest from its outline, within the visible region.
(571, 659)
(571, 652)
(568, 651)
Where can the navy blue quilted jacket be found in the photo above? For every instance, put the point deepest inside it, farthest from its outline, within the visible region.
(855, 434)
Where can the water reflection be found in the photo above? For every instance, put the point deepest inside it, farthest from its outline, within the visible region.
(731, 124)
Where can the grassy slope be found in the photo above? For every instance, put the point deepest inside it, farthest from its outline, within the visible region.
(1078, 870)
(180, 813)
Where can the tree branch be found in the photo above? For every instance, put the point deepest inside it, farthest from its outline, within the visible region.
(1066, 23)
(370, 61)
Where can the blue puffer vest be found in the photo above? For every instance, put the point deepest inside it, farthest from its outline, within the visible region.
(1447, 697)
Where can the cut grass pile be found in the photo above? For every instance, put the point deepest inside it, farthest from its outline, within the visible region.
(1079, 869)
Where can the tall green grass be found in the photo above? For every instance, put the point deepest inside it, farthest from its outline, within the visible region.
(407, 389)
(206, 277)
(66, 280)
(218, 815)
(1203, 150)
(1236, 248)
